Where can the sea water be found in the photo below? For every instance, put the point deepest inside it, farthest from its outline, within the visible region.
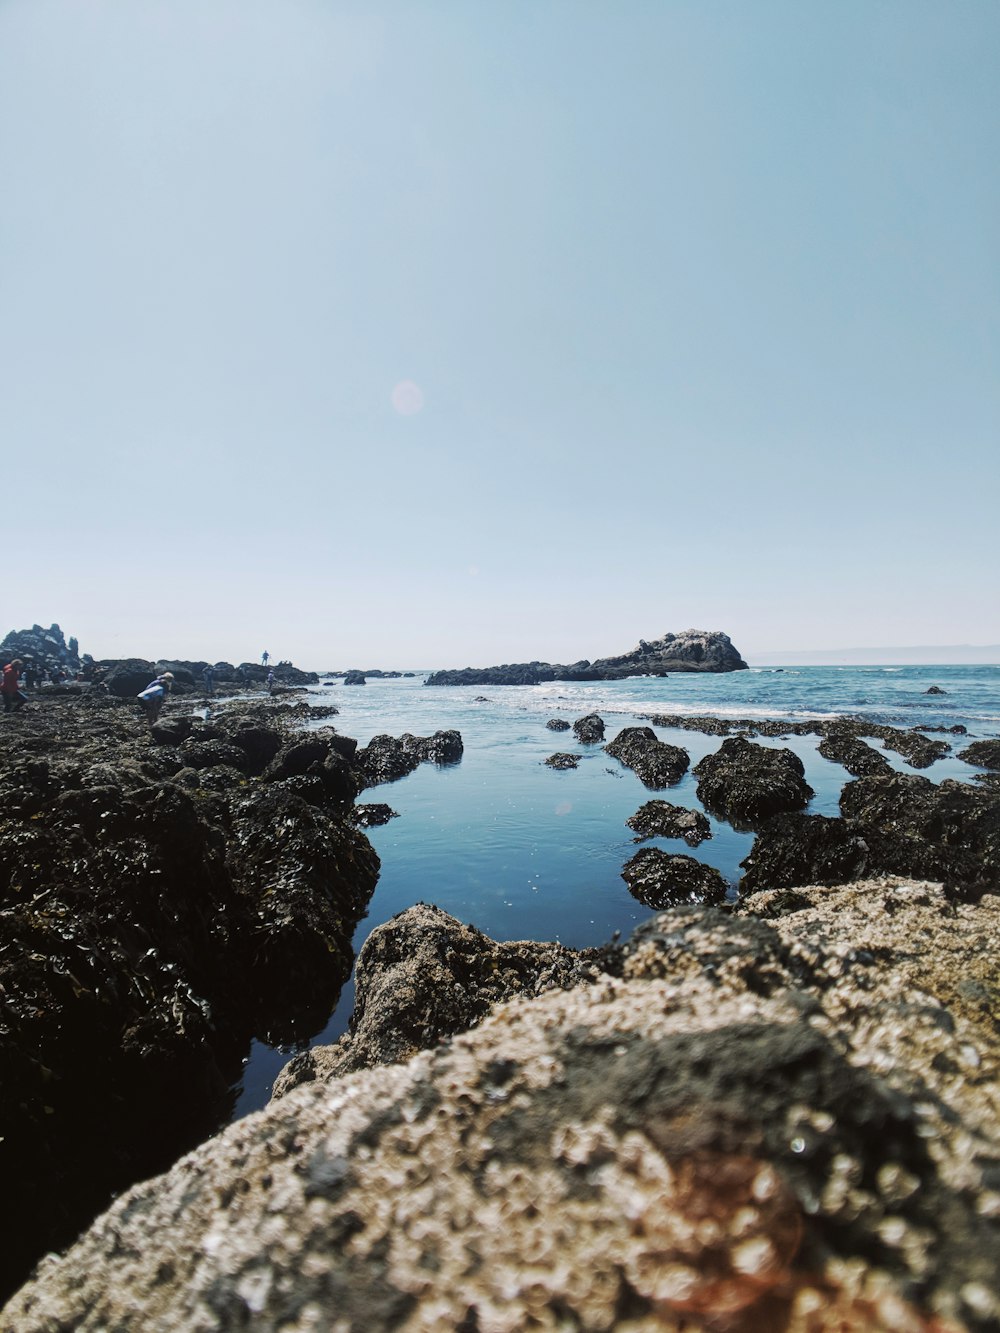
(524, 851)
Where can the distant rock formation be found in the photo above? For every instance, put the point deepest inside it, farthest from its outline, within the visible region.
(691, 650)
(42, 647)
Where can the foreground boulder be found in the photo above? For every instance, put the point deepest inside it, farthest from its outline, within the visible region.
(985, 754)
(746, 783)
(655, 763)
(589, 730)
(758, 1125)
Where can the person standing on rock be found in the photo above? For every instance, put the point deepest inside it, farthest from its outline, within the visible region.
(152, 697)
(13, 696)
(265, 657)
(209, 675)
(270, 682)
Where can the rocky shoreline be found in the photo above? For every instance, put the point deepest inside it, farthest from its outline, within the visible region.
(166, 894)
(778, 1112)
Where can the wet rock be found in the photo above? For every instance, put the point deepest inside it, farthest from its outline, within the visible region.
(126, 678)
(859, 759)
(664, 879)
(154, 916)
(916, 749)
(985, 754)
(660, 819)
(896, 825)
(935, 689)
(422, 977)
(589, 730)
(746, 783)
(794, 849)
(354, 678)
(654, 762)
(372, 815)
(557, 724)
(388, 758)
(563, 760)
(786, 1124)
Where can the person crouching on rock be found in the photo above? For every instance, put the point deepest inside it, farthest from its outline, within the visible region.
(13, 696)
(152, 697)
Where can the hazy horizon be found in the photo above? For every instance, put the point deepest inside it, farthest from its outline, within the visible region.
(499, 331)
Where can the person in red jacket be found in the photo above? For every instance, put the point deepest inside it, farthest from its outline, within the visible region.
(13, 696)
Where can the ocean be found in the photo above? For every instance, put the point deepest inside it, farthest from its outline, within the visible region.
(523, 851)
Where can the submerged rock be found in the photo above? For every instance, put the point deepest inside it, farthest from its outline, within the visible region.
(665, 879)
(654, 762)
(660, 819)
(787, 1124)
(560, 760)
(557, 724)
(372, 815)
(746, 783)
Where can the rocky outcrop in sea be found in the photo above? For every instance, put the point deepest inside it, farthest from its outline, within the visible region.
(785, 1118)
(691, 650)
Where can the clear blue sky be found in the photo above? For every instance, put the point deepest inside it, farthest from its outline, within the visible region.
(444, 333)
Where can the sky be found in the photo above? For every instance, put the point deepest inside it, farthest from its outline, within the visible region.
(437, 333)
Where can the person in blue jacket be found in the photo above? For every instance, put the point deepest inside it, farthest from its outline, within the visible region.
(152, 697)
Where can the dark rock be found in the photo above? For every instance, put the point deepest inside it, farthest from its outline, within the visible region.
(917, 750)
(424, 976)
(691, 650)
(956, 730)
(859, 759)
(746, 783)
(557, 724)
(372, 815)
(984, 754)
(260, 744)
(127, 677)
(793, 849)
(43, 648)
(654, 762)
(354, 678)
(896, 825)
(659, 819)
(663, 879)
(563, 761)
(154, 917)
(298, 756)
(386, 758)
(935, 689)
(589, 730)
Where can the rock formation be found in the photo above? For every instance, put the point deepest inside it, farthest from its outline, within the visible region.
(42, 647)
(664, 879)
(751, 1124)
(746, 783)
(660, 819)
(654, 762)
(691, 650)
(589, 730)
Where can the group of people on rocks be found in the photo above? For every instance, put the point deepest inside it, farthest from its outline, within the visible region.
(34, 673)
(151, 699)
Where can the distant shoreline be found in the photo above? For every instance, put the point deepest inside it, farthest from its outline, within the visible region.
(957, 655)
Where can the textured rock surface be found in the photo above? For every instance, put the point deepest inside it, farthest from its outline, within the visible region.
(663, 879)
(557, 724)
(655, 763)
(388, 758)
(562, 760)
(162, 900)
(424, 976)
(589, 730)
(746, 783)
(985, 754)
(788, 1124)
(859, 759)
(660, 819)
(691, 650)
